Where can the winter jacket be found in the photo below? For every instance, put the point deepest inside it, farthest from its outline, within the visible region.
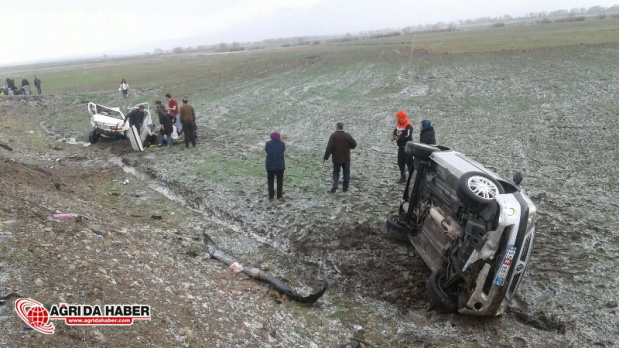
(164, 120)
(340, 144)
(187, 113)
(403, 135)
(135, 118)
(427, 133)
(275, 155)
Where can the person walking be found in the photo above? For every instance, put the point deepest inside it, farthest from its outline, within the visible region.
(338, 148)
(124, 87)
(275, 164)
(402, 134)
(188, 119)
(166, 124)
(174, 111)
(37, 84)
(427, 133)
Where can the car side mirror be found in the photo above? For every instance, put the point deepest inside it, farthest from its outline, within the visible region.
(517, 178)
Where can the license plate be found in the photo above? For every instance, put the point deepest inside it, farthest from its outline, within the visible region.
(501, 274)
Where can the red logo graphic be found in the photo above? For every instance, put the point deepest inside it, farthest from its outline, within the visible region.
(38, 317)
(34, 314)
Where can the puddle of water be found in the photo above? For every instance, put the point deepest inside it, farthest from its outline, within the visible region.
(128, 169)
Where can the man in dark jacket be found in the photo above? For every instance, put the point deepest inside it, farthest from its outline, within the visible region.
(427, 133)
(136, 117)
(165, 122)
(339, 146)
(275, 164)
(37, 84)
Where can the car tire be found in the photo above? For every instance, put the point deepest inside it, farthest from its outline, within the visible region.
(419, 150)
(93, 137)
(478, 189)
(438, 295)
(393, 223)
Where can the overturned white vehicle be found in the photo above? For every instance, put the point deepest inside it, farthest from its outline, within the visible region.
(473, 228)
(112, 122)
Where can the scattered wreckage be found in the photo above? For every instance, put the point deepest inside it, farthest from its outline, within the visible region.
(259, 274)
(471, 227)
(111, 122)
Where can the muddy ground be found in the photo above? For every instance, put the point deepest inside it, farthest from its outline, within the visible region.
(557, 127)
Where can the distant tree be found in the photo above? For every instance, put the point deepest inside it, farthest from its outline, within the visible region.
(596, 9)
(158, 51)
(223, 47)
(178, 50)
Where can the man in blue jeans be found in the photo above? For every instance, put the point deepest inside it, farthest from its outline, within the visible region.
(338, 148)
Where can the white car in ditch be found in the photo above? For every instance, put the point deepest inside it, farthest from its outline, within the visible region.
(112, 122)
(472, 228)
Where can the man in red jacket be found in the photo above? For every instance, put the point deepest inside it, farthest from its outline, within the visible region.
(338, 148)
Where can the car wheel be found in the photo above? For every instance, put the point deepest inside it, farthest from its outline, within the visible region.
(393, 223)
(443, 300)
(93, 137)
(478, 189)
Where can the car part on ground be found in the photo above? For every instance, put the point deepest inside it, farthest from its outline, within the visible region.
(256, 273)
(472, 228)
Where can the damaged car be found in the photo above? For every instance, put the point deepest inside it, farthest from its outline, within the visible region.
(111, 122)
(472, 228)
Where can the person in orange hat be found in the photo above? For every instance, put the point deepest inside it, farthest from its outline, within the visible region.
(402, 134)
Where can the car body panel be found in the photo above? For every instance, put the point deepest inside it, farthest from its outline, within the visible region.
(134, 138)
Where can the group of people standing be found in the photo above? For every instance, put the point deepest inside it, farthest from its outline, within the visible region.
(174, 119)
(338, 148)
(403, 133)
(11, 89)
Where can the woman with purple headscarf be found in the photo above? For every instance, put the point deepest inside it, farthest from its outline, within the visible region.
(275, 164)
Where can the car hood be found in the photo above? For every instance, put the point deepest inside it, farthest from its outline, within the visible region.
(458, 164)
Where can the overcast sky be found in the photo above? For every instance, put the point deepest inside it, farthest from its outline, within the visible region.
(50, 29)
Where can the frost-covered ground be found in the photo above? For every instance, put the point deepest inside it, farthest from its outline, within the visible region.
(549, 112)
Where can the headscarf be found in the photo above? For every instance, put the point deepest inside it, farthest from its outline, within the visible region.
(275, 136)
(403, 122)
(425, 125)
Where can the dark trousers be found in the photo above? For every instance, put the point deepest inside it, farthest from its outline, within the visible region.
(271, 175)
(336, 175)
(189, 129)
(39, 89)
(404, 161)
